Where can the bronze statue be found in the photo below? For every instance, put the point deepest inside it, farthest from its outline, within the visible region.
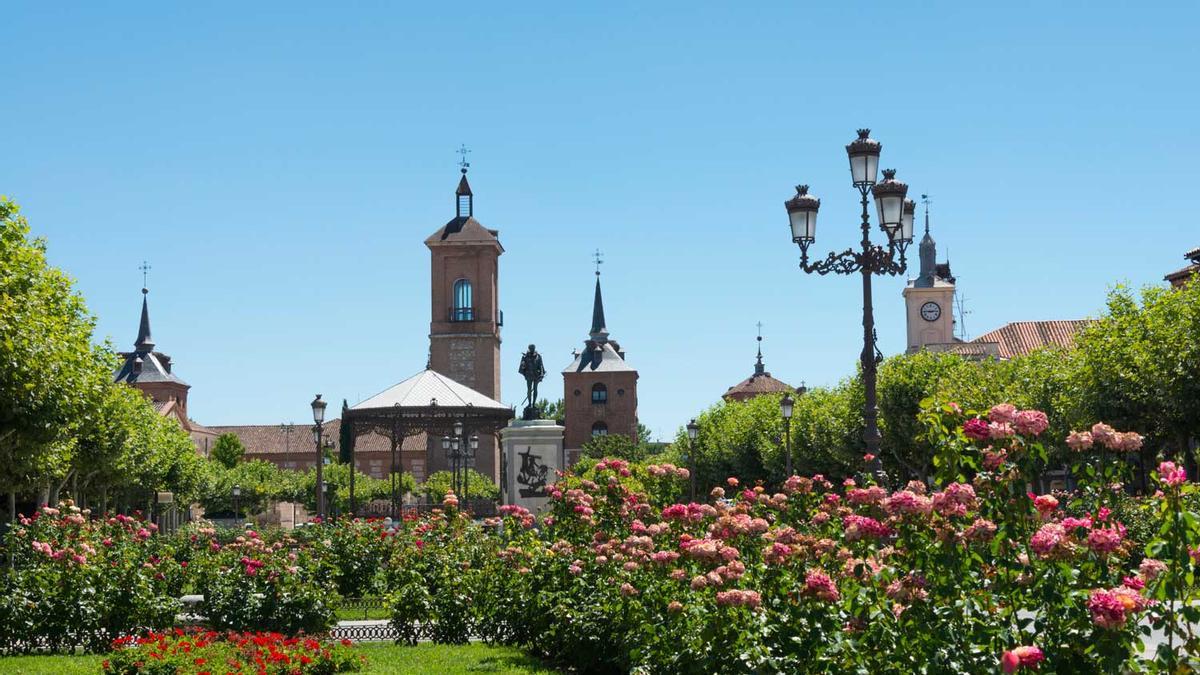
(534, 372)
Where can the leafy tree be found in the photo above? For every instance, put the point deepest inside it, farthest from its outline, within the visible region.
(50, 367)
(337, 476)
(479, 486)
(614, 445)
(260, 481)
(228, 450)
(547, 410)
(1140, 365)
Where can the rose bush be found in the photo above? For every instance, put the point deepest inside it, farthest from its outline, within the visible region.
(971, 574)
(75, 580)
(251, 583)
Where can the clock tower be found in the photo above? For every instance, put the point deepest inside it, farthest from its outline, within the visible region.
(930, 299)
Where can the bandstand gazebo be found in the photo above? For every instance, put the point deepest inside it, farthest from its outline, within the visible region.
(427, 403)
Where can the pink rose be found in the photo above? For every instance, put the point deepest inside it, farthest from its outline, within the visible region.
(1171, 475)
(976, 429)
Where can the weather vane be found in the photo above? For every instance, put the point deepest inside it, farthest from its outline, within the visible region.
(145, 268)
(926, 201)
(598, 255)
(463, 163)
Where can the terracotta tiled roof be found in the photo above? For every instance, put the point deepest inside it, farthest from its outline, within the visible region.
(756, 385)
(271, 439)
(1022, 337)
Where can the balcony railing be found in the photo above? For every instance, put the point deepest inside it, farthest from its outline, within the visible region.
(468, 314)
(462, 313)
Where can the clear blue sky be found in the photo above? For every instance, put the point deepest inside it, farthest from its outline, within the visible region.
(279, 166)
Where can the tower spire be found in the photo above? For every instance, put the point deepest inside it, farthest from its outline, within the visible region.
(759, 368)
(599, 331)
(144, 342)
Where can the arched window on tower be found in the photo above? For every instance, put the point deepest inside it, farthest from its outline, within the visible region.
(599, 393)
(463, 310)
(599, 429)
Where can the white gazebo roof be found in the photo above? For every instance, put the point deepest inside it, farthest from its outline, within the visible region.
(428, 388)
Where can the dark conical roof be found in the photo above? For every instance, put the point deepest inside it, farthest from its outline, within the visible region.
(599, 331)
(144, 342)
(464, 188)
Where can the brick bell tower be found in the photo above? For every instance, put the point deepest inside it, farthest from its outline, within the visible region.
(599, 387)
(464, 329)
(464, 326)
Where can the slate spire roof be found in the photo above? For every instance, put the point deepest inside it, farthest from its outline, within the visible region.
(144, 364)
(144, 343)
(599, 331)
(600, 353)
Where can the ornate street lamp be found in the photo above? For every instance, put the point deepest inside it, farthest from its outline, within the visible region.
(693, 430)
(237, 507)
(895, 213)
(318, 411)
(468, 461)
(450, 456)
(785, 409)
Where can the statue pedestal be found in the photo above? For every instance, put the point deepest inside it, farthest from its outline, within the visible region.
(532, 456)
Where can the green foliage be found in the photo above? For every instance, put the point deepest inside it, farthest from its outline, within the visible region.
(52, 375)
(337, 477)
(63, 422)
(479, 486)
(1141, 364)
(261, 483)
(228, 450)
(746, 438)
(614, 445)
(547, 410)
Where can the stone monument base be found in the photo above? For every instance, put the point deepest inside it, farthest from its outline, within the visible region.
(531, 457)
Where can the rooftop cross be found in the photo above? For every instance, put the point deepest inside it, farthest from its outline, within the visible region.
(463, 163)
(145, 268)
(599, 261)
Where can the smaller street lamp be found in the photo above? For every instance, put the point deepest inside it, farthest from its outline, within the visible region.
(472, 448)
(785, 408)
(237, 495)
(693, 430)
(318, 411)
(446, 443)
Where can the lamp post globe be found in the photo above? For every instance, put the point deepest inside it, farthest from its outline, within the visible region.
(802, 215)
(906, 221)
(864, 159)
(318, 410)
(889, 201)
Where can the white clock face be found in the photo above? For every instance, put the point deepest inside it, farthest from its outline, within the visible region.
(930, 311)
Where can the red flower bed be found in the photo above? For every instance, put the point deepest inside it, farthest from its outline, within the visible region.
(201, 652)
